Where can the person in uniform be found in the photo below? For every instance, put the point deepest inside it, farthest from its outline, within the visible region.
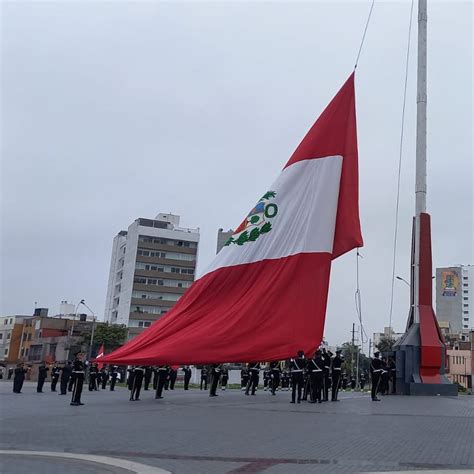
(353, 383)
(79, 373)
(19, 377)
(148, 374)
(224, 377)
(204, 374)
(42, 374)
(244, 378)
(130, 373)
(173, 376)
(254, 370)
(10, 373)
(215, 375)
(93, 373)
(375, 373)
(274, 376)
(103, 377)
(187, 376)
(138, 373)
(113, 377)
(326, 371)
(336, 368)
(66, 372)
(392, 369)
(362, 381)
(384, 378)
(266, 378)
(155, 378)
(315, 369)
(55, 372)
(162, 376)
(297, 366)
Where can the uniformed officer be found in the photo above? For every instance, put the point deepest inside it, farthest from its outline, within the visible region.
(93, 373)
(215, 375)
(66, 372)
(55, 371)
(224, 377)
(103, 377)
(254, 370)
(19, 377)
(113, 377)
(274, 376)
(130, 373)
(266, 378)
(285, 380)
(79, 373)
(155, 378)
(162, 376)
(187, 376)
(336, 368)
(244, 378)
(148, 374)
(326, 372)
(42, 374)
(315, 373)
(204, 374)
(392, 368)
(375, 372)
(173, 376)
(138, 373)
(297, 366)
(362, 381)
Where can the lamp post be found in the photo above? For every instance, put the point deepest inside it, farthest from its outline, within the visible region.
(403, 279)
(70, 333)
(92, 331)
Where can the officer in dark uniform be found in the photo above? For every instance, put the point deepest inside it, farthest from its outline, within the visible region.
(103, 377)
(93, 373)
(42, 374)
(266, 378)
(130, 373)
(148, 374)
(155, 378)
(173, 376)
(55, 371)
(204, 374)
(162, 376)
(187, 376)
(392, 368)
(254, 370)
(326, 371)
(224, 377)
(244, 378)
(19, 377)
(384, 378)
(315, 373)
(79, 373)
(297, 366)
(113, 378)
(285, 380)
(375, 372)
(66, 372)
(336, 374)
(362, 381)
(274, 376)
(215, 375)
(138, 373)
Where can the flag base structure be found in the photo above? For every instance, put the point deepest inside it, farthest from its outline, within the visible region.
(421, 352)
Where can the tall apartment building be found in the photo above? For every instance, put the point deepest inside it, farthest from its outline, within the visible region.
(152, 265)
(10, 338)
(222, 237)
(454, 293)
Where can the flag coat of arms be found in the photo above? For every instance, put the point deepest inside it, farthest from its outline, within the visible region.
(264, 296)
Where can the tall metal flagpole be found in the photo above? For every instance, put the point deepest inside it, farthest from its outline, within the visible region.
(420, 184)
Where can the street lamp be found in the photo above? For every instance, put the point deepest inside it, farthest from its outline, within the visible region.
(403, 279)
(92, 331)
(71, 332)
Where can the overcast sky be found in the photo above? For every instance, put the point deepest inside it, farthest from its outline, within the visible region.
(113, 111)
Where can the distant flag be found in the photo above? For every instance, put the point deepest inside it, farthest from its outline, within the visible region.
(100, 355)
(264, 296)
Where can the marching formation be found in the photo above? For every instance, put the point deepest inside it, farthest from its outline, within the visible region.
(315, 379)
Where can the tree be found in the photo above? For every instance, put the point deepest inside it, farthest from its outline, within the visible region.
(385, 344)
(350, 352)
(111, 336)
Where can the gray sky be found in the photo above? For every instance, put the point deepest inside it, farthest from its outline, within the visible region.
(113, 111)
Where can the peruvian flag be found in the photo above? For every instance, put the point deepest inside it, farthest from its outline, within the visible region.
(100, 355)
(264, 296)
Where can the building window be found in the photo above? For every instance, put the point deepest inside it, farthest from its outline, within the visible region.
(35, 353)
(6, 351)
(466, 298)
(8, 335)
(11, 320)
(29, 336)
(52, 350)
(5, 322)
(466, 312)
(466, 305)
(1, 335)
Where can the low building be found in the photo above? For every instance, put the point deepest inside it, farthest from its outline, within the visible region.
(459, 360)
(10, 339)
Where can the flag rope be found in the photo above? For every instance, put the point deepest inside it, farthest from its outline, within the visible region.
(363, 36)
(400, 154)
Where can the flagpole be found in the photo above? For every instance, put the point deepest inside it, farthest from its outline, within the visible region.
(420, 183)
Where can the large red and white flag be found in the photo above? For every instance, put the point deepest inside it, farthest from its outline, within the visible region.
(264, 296)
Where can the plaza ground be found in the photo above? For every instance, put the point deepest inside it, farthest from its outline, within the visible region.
(188, 432)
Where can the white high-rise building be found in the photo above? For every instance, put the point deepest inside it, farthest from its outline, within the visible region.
(455, 296)
(152, 265)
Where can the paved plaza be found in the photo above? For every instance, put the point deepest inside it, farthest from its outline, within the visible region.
(188, 432)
